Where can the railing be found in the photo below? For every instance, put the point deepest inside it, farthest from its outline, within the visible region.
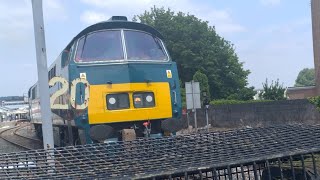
(283, 152)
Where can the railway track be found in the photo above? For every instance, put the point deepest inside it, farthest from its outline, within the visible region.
(12, 136)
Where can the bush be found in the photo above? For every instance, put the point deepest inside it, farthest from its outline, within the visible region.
(226, 102)
(316, 101)
(273, 91)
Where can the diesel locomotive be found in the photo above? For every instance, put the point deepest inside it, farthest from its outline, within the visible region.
(113, 76)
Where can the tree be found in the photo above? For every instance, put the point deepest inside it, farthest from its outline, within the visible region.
(195, 45)
(203, 82)
(183, 94)
(244, 94)
(306, 77)
(274, 91)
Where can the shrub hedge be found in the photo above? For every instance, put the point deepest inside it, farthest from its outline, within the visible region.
(225, 101)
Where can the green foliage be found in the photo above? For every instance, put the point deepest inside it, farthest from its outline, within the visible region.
(183, 95)
(226, 101)
(244, 94)
(195, 46)
(305, 77)
(316, 101)
(274, 91)
(203, 82)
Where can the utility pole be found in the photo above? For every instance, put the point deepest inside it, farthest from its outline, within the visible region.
(42, 74)
(206, 105)
(315, 17)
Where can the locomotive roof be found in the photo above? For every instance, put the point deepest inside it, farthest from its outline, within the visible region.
(116, 24)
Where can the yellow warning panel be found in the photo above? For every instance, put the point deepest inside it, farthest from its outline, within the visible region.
(99, 113)
(83, 76)
(169, 74)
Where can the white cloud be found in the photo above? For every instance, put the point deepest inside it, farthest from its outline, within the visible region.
(123, 3)
(91, 17)
(230, 28)
(17, 41)
(270, 2)
(220, 18)
(277, 51)
(54, 10)
(288, 27)
(129, 7)
(16, 19)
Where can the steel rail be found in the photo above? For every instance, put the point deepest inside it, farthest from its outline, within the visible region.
(13, 130)
(26, 137)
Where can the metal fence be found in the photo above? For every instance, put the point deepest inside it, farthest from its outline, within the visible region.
(298, 167)
(283, 152)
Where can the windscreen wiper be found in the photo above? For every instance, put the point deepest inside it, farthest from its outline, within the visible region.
(84, 42)
(157, 42)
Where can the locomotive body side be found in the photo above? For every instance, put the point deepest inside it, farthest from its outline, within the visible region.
(56, 69)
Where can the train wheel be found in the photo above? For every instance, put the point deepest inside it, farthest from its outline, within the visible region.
(77, 142)
(80, 137)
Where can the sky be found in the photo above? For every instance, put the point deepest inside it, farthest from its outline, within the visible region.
(273, 38)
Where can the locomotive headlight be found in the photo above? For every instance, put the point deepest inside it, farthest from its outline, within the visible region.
(149, 98)
(112, 100)
(143, 99)
(118, 101)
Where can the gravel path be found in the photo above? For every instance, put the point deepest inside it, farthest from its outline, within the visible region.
(6, 147)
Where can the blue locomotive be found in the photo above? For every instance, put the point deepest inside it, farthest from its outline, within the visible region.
(113, 76)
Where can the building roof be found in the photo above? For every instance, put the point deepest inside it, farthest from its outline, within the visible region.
(300, 88)
(4, 109)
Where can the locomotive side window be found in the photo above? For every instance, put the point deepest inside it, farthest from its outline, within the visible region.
(100, 46)
(33, 92)
(143, 46)
(65, 57)
(52, 72)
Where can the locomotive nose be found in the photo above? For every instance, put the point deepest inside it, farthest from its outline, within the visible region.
(127, 102)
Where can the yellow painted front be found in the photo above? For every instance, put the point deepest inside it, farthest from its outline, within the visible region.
(98, 112)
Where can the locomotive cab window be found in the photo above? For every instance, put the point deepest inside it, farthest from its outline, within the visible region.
(143, 46)
(100, 46)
